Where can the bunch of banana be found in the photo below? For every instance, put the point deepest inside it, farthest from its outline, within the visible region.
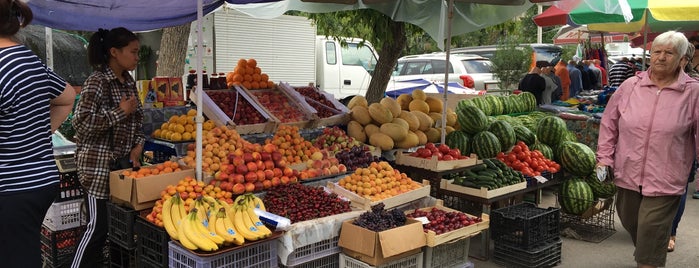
(246, 221)
(173, 212)
(251, 199)
(193, 234)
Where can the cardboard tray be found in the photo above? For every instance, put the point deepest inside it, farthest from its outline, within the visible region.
(211, 109)
(433, 239)
(341, 116)
(365, 204)
(482, 192)
(303, 107)
(213, 112)
(433, 164)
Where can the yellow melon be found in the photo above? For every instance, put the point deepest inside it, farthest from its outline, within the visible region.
(382, 141)
(434, 135)
(413, 122)
(421, 137)
(418, 94)
(380, 113)
(361, 115)
(410, 141)
(419, 105)
(451, 119)
(426, 121)
(437, 117)
(371, 129)
(356, 131)
(404, 101)
(395, 131)
(357, 101)
(436, 105)
(450, 129)
(392, 106)
(401, 122)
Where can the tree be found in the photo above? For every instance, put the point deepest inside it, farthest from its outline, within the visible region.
(173, 49)
(510, 63)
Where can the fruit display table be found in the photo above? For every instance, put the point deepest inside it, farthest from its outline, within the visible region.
(587, 131)
(154, 117)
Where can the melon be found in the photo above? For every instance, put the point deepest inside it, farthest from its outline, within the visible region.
(434, 135)
(392, 106)
(361, 115)
(426, 121)
(357, 101)
(401, 122)
(356, 131)
(382, 141)
(437, 118)
(395, 131)
(421, 137)
(404, 101)
(371, 129)
(419, 105)
(413, 122)
(436, 105)
(410, 141)
(451, 119)
(449, 129)
(380, 114)
(418, 94)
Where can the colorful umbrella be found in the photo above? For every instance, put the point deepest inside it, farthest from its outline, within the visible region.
(648, 15)
(574, 35)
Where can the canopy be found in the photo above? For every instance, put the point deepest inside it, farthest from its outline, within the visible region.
(574, 35)
(396, 88)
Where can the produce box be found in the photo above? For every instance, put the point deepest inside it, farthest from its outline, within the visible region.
(58, 247)
(525, 225)
(214, 111)
(211, 110)
(121, 225)
(482, 192)
(69, 187)
(434, 239)
(376, 248)
(433, 164)
(151, 245)
(330, 113)
(330, 261)
(279, 109)
(451, 254)
(544, 255)
(64, 215)
(121, 257)
(364, 203)
(142, 193)
(412, 261)
(261, 253)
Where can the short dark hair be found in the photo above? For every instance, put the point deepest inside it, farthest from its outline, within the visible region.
(103, 40)
(14, 14)
(542, 63)
(693, 39)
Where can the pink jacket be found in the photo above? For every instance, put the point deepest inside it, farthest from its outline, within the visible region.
(648, 135)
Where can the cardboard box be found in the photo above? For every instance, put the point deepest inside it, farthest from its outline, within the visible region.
(433, 239)
(142, 193)
(162, 89)
(376, 248)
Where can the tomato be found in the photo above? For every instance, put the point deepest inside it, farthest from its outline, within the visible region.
(517, 149)
(511, 157)
(500, 155)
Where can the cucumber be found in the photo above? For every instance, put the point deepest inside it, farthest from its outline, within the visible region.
(478, 167)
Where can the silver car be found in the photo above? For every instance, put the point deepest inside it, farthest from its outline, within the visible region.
(431, 67)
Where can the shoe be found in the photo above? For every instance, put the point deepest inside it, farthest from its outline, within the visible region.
(695, 195)
(671, 244)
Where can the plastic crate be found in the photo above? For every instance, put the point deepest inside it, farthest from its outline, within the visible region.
(255, 254)
(525, 225)
(451, 254)
(120, 257)
(313, 251)
(58, 247)
(591, 228)
(330, 261)
(69, 187)
(121, 225)
(548, 255)
(152, 244)
(161, 152)
(64, 215)
(412, 261)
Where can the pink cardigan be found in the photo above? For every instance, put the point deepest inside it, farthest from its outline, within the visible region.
(648, 135)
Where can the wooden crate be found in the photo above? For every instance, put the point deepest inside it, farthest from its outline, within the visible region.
(482, 192)
(309, 116)
(433, 239)
(403, 158)
(363, 203)
(341, 116)
(211, 110)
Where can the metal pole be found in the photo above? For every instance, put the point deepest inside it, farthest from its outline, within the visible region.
(199, 91)
(539, 30)
(447, 47)
(49, 47)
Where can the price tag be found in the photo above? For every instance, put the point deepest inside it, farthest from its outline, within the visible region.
(423, 220)
(540, 179)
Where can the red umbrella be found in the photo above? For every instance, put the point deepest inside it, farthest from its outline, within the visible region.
(556, 14)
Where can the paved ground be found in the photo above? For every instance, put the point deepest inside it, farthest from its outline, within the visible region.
(617, 250)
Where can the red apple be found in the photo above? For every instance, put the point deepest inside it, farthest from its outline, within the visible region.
(252, 167)
(238, 188)
(251, 176)
(241, 169)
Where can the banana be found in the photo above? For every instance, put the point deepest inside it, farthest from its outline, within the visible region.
(251, 225)
(168, 223)
(183, 238)
(197, 238)
(203, 229)
(238, 238)
(257, 222)
(201, 208)
(220, 226)
(175, 211)
(257, 202)
(249, 232)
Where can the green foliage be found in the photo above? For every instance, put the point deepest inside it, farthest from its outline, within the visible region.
(510, 63)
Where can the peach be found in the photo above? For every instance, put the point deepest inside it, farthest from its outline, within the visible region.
(251, 177)
(252, 167)
(249, 187)
(238, 178)
(269, 164)
(269, 174)
(284, 180)
(261, 175)
(317, 156)
(238, 188)
(241, 169)
(266, 184)
(275, 181)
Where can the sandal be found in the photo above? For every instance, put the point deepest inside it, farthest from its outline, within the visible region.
(671, 244)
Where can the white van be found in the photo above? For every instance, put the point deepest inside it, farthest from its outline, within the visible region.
(344, 71)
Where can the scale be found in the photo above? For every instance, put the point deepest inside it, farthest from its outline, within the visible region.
(66, 163)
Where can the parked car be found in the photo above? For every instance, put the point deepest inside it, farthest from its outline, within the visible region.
(432, 67)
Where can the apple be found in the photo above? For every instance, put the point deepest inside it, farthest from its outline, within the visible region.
(238, 188)
(249, 187)
(258, 186)
(241, 169)
(276, 156)
(251, 176)
(443, 148)
(237, 178)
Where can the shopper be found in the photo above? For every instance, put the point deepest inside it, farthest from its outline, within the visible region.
(533, 82)
(652, 116)
(108, 123)
(34, 101)
(603, 71)
(597, 74)
(564, 76)
(575, 80)
(551, 84)
(619, 72)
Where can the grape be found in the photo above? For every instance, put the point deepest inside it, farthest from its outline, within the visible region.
(378, 219)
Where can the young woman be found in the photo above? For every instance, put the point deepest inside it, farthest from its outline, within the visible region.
(34, 101)
(108, 124)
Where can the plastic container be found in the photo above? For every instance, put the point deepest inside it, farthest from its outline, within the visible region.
(525, 225)
(64, 215)
(151, 245)
(261, 254)
(330, 261)
(121, 225)
(546, 255)
(58, 247)
(312, 252)
(120, 257)
(278, 222)
(447, 255)
(69, 187)
(413, 261)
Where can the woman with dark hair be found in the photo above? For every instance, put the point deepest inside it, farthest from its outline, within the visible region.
(34, 101)
(108, 124)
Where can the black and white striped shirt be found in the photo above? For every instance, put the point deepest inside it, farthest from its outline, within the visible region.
(26, 153)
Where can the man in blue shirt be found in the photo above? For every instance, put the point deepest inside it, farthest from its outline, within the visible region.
(575, 79)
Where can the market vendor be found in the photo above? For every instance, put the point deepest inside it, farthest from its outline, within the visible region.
(108, 122)
(647, 137)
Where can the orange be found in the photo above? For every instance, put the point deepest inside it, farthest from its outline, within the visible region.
(252, 63)
(165, 126)
(192, 112)
(173, 119)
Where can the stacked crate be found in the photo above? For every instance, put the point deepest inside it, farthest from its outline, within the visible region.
(122, 241)
(526, 236)
(63, 224)
(151, 245)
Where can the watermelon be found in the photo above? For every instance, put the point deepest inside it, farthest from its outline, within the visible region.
(460, 140)
(471, 119)
(505, 134)
(495, 105)
(568, 136)
(577, 158)
(524, 134)
(576, 196)
(506, 104)
(544, 149)
(482, 104)
(550, 129)
(528, 100)
(600, 189)
(485, 144)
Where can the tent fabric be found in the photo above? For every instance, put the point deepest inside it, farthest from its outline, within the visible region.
(135, 15)
(396, 88)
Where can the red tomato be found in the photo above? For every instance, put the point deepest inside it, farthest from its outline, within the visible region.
(511, 157)
(517, 149)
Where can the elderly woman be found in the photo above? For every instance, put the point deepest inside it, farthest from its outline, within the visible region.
(647, 138)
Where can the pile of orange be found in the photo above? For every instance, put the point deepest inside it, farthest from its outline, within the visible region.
(378, 181)
(294, 148)
(145, 171)
(248, 75)
(181, 127)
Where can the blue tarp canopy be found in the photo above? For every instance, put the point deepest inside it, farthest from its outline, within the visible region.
(135, 15)
(396, 88)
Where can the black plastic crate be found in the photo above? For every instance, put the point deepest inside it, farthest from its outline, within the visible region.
(545, 255)
(69, 187)
(121, 225)
(151, 247)
(58, 247)
(330, 261)
(120, 257)
(525, 225)
(595, 225)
